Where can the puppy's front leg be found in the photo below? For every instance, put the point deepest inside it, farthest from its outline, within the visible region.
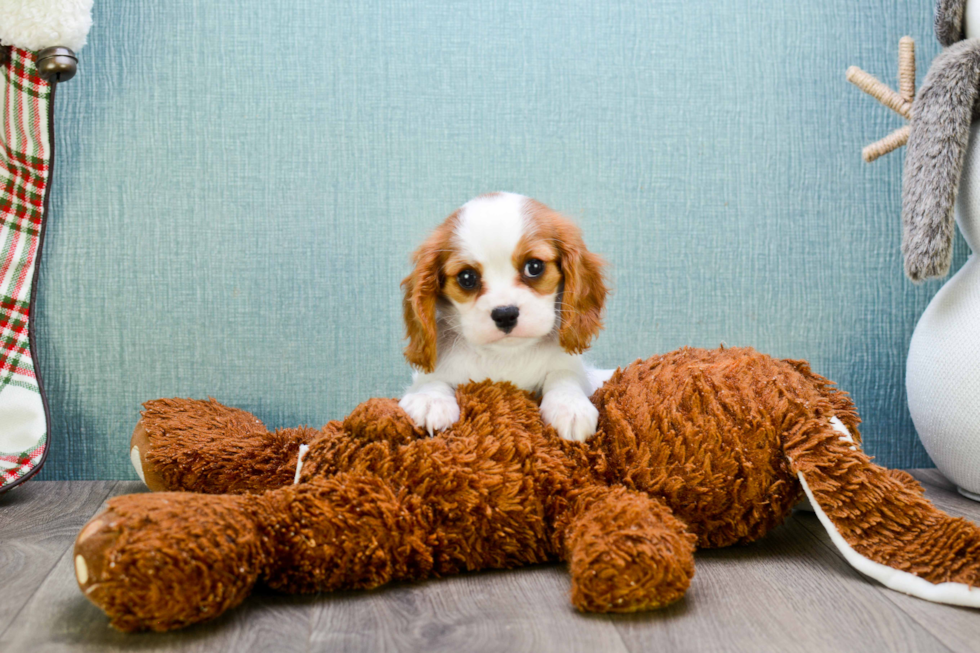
(566, 407)
(431, 405)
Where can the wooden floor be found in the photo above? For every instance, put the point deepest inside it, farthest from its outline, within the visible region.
(790, 592)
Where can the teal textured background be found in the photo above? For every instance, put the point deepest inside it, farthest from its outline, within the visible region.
(239, 187)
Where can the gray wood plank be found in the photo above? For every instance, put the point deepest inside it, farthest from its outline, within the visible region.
(514, 610)
(790, 592)
(26, 509)
(784, 593)
(958, 628)
(933, 477)
(948, 499)
(943, 493)
(67, 621)
(38, 522)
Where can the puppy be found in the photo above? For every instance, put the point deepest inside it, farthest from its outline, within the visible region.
(505, 290)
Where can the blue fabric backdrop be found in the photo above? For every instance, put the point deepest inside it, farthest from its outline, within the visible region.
(239, 187)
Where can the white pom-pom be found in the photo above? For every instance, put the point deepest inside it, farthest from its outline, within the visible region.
(39, 24)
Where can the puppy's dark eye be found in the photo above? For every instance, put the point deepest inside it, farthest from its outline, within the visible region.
(468, 279)
(534, 268)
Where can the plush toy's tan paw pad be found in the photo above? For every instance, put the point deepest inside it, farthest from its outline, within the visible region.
(139, 446)
(134, 457)
(91, 546)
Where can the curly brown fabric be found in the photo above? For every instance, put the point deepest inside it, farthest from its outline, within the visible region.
(884, 516)
(627, 552)
(146, 576)
(694, 449)
(202, 446)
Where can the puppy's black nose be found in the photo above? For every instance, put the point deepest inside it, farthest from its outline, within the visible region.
(505, 317)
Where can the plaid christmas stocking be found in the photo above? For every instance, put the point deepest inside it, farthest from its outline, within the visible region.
(26, 140)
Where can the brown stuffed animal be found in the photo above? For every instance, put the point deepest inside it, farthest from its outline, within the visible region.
(694, 449)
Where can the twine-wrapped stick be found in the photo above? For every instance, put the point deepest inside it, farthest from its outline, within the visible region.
(900, 102)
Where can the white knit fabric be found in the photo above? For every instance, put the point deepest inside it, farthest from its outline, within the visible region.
(968, 196)
(943, 374)
(896, 579)
(21, 419)
(38, 24)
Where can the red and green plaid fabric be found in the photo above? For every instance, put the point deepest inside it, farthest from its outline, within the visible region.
(25, 154)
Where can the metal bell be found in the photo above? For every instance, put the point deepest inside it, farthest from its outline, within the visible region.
(56, 64)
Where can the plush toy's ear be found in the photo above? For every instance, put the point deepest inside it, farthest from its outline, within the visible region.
(879, 520)
(583, 294)
(422, 288)
(949, 21)
(941, 118)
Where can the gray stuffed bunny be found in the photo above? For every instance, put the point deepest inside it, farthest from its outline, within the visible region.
(940, 133)
(942, 186)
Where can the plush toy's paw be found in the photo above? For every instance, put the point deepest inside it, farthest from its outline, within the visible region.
(627, 552)
(167, 560)
(173, 432)
(380, 420)
(432, 410)
(570, 413)
(203, 446)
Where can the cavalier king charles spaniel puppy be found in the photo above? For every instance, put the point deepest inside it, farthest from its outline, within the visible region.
(504, 290)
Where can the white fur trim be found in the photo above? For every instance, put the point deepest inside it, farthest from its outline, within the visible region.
(845, 434)
(22, 417)
(134, 457)
(38, 24)
(81, 570)
(900, 581)
(303, 448)
(597, 378)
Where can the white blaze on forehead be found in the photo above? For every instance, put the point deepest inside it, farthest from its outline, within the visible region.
(490, 227)
(486, 235)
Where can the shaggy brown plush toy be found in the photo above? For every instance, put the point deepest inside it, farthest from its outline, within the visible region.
(694, 449)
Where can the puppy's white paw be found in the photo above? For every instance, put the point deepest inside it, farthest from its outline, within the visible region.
(431, 410)
(570, 413)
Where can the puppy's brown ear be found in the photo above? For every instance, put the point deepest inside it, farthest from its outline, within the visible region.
(422, 288)
(584, 289)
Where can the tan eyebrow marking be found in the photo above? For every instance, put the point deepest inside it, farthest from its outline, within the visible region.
(534, 245)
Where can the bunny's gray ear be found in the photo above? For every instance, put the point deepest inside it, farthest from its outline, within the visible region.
(941, 117)
(949, 21)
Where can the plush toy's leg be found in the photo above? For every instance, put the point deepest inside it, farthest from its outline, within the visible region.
(171, 559)
(627, 552)
(879, 520)
(202, 446)
(374, 430)
(166, 560)
(349, 531)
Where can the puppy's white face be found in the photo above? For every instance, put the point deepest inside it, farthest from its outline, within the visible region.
(502, 275)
